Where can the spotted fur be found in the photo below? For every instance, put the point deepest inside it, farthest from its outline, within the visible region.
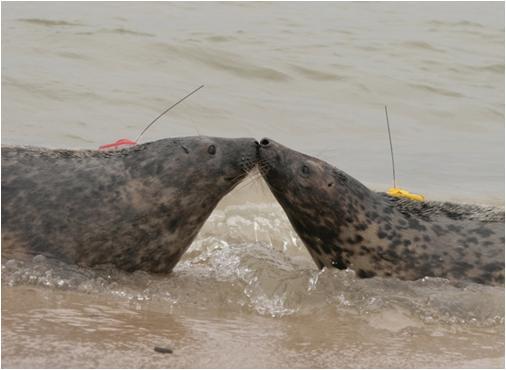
(137, 208)
(345, 225)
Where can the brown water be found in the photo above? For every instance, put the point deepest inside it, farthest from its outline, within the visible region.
(312, 76)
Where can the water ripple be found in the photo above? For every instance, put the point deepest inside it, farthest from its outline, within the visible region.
(221, 60)
(49, 22)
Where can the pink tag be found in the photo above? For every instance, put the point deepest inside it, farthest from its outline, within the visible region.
(119, 144)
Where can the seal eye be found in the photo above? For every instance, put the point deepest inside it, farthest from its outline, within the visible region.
(211, 149)
(305, 171)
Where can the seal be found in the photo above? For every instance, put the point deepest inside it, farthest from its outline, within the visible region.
(137, 208)
(343, 224)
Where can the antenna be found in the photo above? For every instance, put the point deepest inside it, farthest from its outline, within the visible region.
(395, 191)
(391, 147)
(166, 110)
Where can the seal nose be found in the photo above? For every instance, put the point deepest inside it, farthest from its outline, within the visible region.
(264, 142)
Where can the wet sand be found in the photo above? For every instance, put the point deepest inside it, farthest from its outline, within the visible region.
(41, 328)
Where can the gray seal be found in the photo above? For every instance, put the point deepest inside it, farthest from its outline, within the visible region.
(345, 225)
(137, 208)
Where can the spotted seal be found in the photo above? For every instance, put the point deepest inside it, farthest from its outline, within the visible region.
(345, 225)
(137, 208)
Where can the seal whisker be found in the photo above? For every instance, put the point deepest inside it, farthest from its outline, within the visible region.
(242, 174)
(251, 179)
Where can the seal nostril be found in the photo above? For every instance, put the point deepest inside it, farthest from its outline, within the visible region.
(264, 142)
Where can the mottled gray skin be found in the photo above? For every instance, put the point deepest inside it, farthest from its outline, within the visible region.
(138, 208)
(345, 225)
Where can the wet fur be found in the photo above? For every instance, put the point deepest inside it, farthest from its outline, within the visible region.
(137, 208)
(345, 225)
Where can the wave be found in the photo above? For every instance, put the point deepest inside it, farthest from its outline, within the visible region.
(436, 90)
(462, 23)
(317, 75)
(420, 45)
(221, 60)
(124, 31)
(48, 22)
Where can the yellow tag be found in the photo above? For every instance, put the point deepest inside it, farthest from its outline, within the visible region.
(401, 193)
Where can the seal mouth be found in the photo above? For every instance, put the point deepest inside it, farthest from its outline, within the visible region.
(246, 165)
(236, 178)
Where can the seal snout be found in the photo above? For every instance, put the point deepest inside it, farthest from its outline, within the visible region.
(248, 157)
(266, 155)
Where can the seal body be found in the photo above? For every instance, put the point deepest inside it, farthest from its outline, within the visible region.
(345, 225)
(136, 208)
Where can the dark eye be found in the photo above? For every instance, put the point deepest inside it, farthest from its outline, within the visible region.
(305, 170)
(211, 149)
